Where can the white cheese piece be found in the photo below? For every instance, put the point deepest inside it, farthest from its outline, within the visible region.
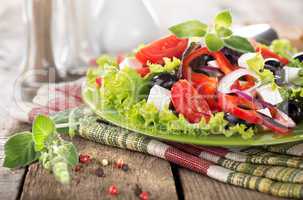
(269, 95)
(131, 63)
(265, 111)
(291, 73)
(243, 58)
(213, 63)
(159, 96)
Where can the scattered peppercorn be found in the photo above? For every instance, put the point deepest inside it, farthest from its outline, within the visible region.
(99, 172)
(113, 190)
(85, 159)
(119, 164)
(137, 190)
(104, 162)
(78, 168)
(125, 167)
(144, 196)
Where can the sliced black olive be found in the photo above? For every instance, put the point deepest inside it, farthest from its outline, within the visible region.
(165, 80)
(294, 109)
(200, 62)
(231, 55)
(299, 56)
(275, 66)
(273, 62)
(233, 120)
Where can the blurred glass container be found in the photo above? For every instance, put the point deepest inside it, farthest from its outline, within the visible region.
(83, 29)
(74, 33)
(39, 67)
(126, 24)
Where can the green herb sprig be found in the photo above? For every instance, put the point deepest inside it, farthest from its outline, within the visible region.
(216, 36)
(43, 144)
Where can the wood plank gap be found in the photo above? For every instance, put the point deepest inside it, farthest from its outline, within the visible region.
(178, 184)
(22, 181)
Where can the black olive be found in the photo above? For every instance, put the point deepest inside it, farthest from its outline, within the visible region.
(299, 56)
(275, 66)
(233, 120)
(200, 62)
(294, 109)
(165, 80)
(231, 55)
(273, 62)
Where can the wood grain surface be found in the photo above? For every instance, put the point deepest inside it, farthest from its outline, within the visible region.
(148, 173)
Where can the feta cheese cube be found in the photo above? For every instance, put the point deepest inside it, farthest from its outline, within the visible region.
(291, 73)
(159, 96)
(269, 95)
(131, 63)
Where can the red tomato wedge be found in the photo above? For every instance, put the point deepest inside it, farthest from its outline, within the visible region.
(169, 47)
(189, 102)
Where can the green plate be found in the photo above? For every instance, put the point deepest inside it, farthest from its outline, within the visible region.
(262, 138)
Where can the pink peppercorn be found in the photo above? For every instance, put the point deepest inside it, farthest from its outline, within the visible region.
(85, 159)
(144, 196)
(112, 190)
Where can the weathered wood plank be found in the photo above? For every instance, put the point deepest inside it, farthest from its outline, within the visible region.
(10, 181)
(196, 186)
(151, 174)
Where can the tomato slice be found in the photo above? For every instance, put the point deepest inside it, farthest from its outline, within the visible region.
(267, 53)
(169, 47)
(189, 102)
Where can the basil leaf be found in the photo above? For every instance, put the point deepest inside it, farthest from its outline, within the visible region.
(223, 19)
(43, 128)
(213, 42)
(223, 31)
(191, 28)
(20, 151)
(238, 43)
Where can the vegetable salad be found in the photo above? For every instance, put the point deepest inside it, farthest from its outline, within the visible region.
(202, 79)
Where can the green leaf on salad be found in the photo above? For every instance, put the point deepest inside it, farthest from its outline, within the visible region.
(223, 19)
(43, 129)
(213, 42)
(238, 43)
(20, 151)
(122, 89)
(224, 32)
(191, 28)
(169, 65)
(283, 47)
(256, 65)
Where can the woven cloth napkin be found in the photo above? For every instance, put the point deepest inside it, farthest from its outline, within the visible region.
(276, 170)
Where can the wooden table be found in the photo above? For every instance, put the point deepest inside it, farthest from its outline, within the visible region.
(159, 177)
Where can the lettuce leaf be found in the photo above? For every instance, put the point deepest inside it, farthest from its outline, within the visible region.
(169, 65)
(123, 88)
(256, 65)
(283, 47)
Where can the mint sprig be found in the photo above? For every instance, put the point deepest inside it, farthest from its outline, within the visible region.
(215, 37)
(43, 144)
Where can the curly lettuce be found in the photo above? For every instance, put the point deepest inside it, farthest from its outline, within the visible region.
(169, 66)
(145, 115)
